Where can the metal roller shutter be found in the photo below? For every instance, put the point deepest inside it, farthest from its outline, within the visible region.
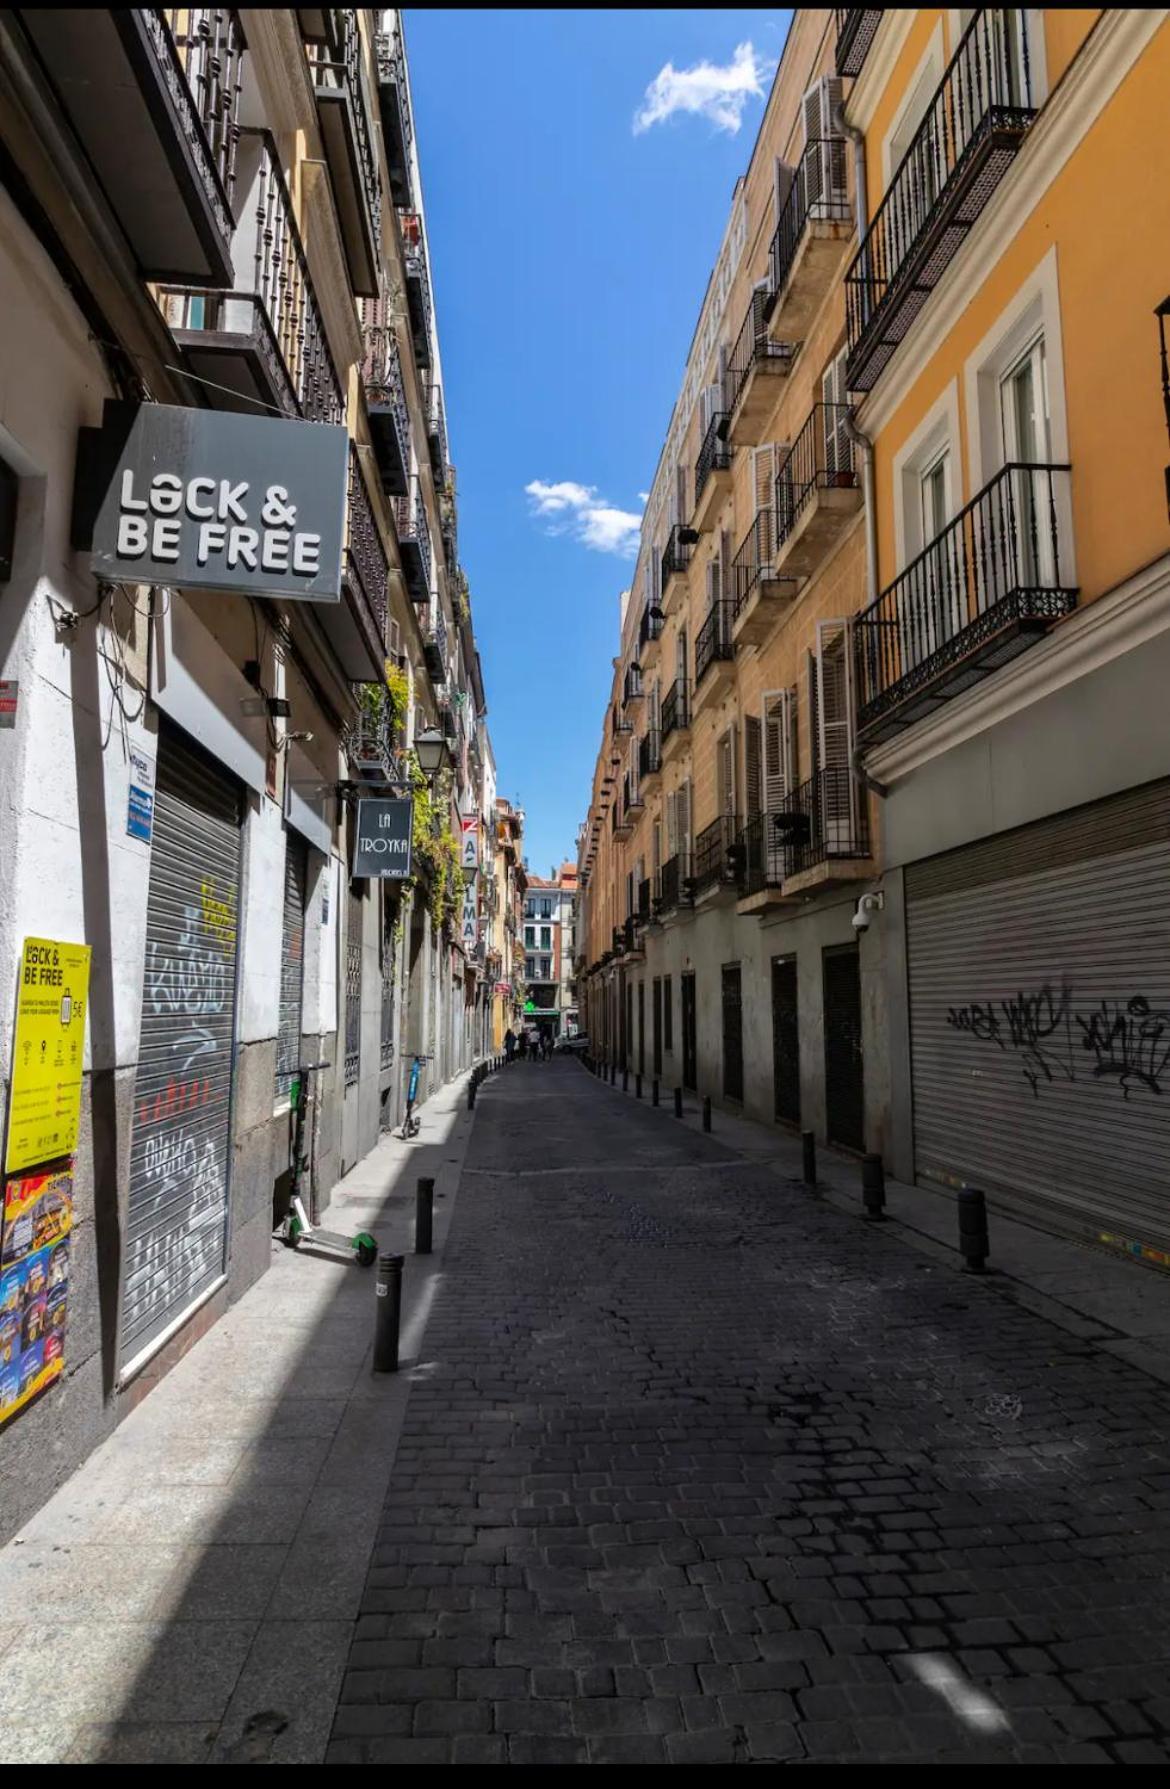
(844, 1073)
(1039, 970)
(176, 1224)
(292, 962)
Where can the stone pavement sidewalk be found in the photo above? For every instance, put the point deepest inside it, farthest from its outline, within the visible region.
(698, 1468)
(189, 1595)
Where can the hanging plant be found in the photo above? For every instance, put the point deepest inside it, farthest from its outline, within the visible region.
(397, 697)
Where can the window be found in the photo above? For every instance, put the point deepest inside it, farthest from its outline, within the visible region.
(546, 937)
(545, 968)
(1023, 397)
(546, 909)
(667, 1015)
(530, 968)
(529, 937)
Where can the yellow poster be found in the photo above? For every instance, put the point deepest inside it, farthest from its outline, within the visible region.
(44, 1102)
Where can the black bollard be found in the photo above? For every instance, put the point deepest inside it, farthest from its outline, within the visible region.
(809, 1144)
(387, 1313)
(873, 1187)
(625, 1080)
(678, 1102)
(471, 1095)
(637, 1086)
(654, 1093)
(424, 1211)
(707, 1113)
(973, 1229)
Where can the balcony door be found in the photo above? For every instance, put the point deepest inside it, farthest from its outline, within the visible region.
(1030, 552)
(836, 802)
(932, 608)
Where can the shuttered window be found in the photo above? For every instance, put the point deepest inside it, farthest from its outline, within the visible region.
(353, 988)
(180, 1149)
(752, 767)
(725, 772)
(292, 962)
(823, 170)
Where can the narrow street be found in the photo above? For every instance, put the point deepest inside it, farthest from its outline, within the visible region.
(697, 1468)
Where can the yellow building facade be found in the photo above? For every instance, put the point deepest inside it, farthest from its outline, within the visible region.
(901, 874)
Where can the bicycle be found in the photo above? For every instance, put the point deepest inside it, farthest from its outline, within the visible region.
(412, 1124)
(296, 1226)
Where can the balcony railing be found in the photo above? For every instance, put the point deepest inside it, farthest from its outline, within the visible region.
(821, 458)
(437, 434)
(676, 555)
(675, 709)
(435, 650)
(819, 194)
(825, 818)
(674, 882)
(856, 30)
(753, 349)
(209, 45)
(983, 591)
(366, 558)
(713, 846)
(713, 640)
(650, 627)
(643, 910)
(388, 409)
(960, 152)
(397, 125)
(714, 453)
(632, 690)
(263, 340)
(414, 543)
(418, 286)
(336, 68)
(754, 561)
(649, 754)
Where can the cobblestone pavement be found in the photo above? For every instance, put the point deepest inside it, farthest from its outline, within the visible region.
(699, 1470)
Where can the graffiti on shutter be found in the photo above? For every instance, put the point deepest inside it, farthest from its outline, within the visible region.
(353, 991)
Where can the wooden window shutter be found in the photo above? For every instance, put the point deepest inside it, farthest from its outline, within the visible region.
(764, 476)
(680, 655)
(838, 446)
(752, 784)
(834, 713)
(778, 773)
(683, 799)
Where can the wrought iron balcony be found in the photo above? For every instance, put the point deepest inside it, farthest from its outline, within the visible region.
(758, 592)
(394, 104)
(715, 863)
(388, 410)
(713, 642)
(988, 587)
(815, 222)
(435, 650)
(153, 95)
(414, 543)
(756, 362)
(856, 30)
(649, 755)
(675, 886)
(262, 342)
(337, 68)
(817, 490)
(621, 722)
(968, 139)
(650, 627)
(356, 627)
(448, 725)
(676, 557)
(437, 434)
(418, 286)
(643, 908)
(823, 821)
(632, 690)
(675, 717)
(712, 471)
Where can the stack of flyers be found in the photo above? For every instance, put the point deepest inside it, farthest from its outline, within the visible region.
(34, 1284)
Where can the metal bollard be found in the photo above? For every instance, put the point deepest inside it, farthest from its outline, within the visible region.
(707, 1113)
(424, 1213)
(873, 1187)
(388, 1312)
(973, 1229)
(654, 1093)
(471, 1095)
(625, 1080)
(678, 1102)
(809, 1145)
(637, 1086)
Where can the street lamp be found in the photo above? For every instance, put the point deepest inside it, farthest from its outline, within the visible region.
(432, 751)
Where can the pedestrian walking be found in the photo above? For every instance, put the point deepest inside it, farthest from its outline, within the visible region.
(523, 1045)
(509, 1043)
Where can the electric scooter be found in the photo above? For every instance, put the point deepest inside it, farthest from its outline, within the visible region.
(411, 1124)
(296, 1226)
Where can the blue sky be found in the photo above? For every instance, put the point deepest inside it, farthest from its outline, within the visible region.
(570, 252)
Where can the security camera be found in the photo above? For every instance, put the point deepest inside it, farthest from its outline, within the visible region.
(867, 905)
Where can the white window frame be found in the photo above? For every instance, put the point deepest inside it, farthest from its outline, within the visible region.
(916, 96)
(936, 434)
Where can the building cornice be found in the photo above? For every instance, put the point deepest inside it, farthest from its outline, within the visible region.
(1129, 616)
(1108, 54)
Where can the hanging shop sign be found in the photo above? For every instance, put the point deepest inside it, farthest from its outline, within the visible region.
(470, 916)
(382, 839)
(211, 500)
(34, 1285)
(44, 1100)
(470, 826)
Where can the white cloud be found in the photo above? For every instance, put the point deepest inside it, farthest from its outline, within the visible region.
(580, 511)
(718, 94)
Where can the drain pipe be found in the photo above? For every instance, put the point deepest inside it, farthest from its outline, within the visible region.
(860, 439)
